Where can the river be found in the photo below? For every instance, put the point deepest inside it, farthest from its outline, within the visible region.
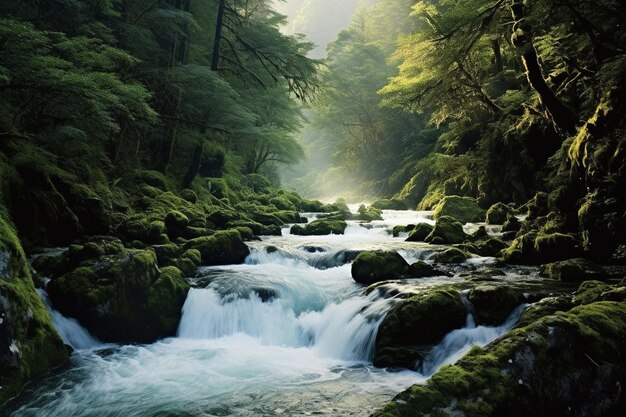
(288, 333)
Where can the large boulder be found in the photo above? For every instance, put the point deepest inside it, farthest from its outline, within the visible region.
(573, 270)
(464, 209)
(122, 298)
(321, 227)
(567, 364)
(29, 344)
(447, 230)
(499, 213)
(535, 248)
(451, 256)
(420, 232)
(222, 248)
(371, 267)
(493, 303)
(415, 324)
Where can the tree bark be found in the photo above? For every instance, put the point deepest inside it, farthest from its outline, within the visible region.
(215, 58)
(562, 117)
(497, 56)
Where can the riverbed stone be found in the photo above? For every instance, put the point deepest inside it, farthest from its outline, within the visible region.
(447, 230)
(464, 209)
(222, 248)
(321, 227)
(451, 256)
(573, 270)
(499, 213)
(420, 232)
(415, 324)
(493, 303)
(370, 267)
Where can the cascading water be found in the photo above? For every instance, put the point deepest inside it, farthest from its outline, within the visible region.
(289, 333)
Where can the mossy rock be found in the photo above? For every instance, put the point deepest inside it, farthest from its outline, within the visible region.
(398, 230)
(491, 246)
(420, 232)
(257, 228)
(321, 227)
(195, 232)
(313, 206)
(493, 304)
(369, 213)
(499, 213)
(283, 203)
(392, 204)
(29, 345)
(538, 206)
(464, 209)
(371, 267)
(570, 363)
(512, 224)
(152, 178)
(166, 297)
(193, 255)
(189, 195)
(415, 324)
(112, 298)
(143, 229)
(451, 256)
(222, 248)
(165, 253)
(288, 216)
(221, 218)
(589, 292)
(447, 230)
(556, 246)
(176, 223)
(573, 270)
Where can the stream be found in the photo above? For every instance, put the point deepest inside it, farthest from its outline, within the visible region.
(288, 333)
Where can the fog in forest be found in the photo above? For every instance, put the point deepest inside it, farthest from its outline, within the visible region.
(319, 20)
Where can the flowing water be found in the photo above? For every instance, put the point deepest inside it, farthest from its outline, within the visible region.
(288, 333)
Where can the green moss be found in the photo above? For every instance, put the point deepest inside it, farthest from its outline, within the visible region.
(29, 344)
(451, 256)
(493, 304)
(555, 246)
(370, 267)
(283, 203)
(165, 300)
(447, 230)
(415, 323)
(321, 227)
(189, 195)
(222, 248)
(545, 367)
(385, 204)
(175, 222)
(420, 232)
(590, 292)
(464, 209)
(498, 213)
(369, 213)
(573, 270)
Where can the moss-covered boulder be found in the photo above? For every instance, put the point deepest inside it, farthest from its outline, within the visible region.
(370, 267)
(538, 206)
(29, 344)
(493, 303)
(535, 248)
(392, 204)
(176, 223)
(368, 213)
(490, 246)
(464, 209)
(567, 364)
(573, 270)
(512, 224)
(499, 213)
(398, 230)
(420, 232)
(451, 256)
(142, 229)
(222, 248)
(114, 298)
(415, 324)
(321, 227)
(283, 203)
(447, 230)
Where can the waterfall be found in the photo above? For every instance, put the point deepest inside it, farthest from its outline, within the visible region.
(72, 333)
(344, 330)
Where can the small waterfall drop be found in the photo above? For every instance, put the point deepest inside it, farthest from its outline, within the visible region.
(72, 333)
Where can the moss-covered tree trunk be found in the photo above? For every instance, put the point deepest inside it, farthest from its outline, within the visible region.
(558, 112)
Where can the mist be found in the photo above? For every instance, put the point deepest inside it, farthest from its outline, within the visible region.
(319, 20)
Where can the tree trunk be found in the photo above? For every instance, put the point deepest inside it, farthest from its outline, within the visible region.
(215, 58)
(562, 117)
(497, 56)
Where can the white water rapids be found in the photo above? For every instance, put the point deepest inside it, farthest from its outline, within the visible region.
(289, 333)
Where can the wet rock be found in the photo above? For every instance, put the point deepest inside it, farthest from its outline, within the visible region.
(493, 303)
(420, 232)
(415, 324)
(511, 225)
(535, 248)
(499, 213)
(369, 213)
(29, 344)
(375, 266)
(569, 364)
(447, 230)
(321, 227)
(122, 298)
(222, 248)
(573, 270)
(176, 223)
(464, 209)
(451, 256)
